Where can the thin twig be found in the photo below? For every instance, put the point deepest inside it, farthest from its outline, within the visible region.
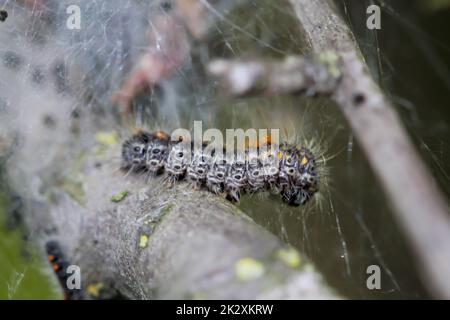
(293, 75)
(420, 207)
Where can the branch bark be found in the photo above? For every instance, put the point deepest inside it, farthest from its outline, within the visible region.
(159, 243)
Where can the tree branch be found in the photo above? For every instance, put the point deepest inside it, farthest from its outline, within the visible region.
(294, 75)
(420, 207)
(159, 243)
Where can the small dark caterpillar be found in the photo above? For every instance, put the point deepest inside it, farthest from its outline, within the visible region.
(288, 170)
(3, 15)
(59, 264)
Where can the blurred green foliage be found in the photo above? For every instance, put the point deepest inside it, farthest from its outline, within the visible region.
(22, 272)
(435, 5)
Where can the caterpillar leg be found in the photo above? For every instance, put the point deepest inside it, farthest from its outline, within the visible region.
(233, 195)
(215, 179)
(296, 197)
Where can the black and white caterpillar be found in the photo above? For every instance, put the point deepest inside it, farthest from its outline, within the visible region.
(285, 169)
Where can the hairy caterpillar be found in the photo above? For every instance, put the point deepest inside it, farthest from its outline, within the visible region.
(3, 15)
(287, 169)
(59, 265)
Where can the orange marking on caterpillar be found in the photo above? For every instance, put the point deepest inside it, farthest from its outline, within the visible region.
(304, 161)
(161, 135)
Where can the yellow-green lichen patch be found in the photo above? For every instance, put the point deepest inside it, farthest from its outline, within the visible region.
(290, 257)
(331, 59)
(107, 138)
(143, 241)
(93, 289)
(119, 196)
(147, 227)
(144, 233)
(248, 269)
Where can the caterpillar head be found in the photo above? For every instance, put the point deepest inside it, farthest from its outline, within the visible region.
(304, 184)
(157, 151)
(308, 179)
(134, 151)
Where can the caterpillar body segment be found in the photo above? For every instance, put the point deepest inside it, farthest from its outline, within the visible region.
(177, 161)
(216, 177)
(158, 150)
